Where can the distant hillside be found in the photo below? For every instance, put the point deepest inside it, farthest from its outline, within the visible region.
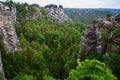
(88, 15)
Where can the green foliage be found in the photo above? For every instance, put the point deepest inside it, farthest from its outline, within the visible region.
(26, 61)
(8, 2)
(0, 77)
(24, 77)
(23, 11)
(91, 70)
(94, 55)
(113, 62)
(47, 49)
(48, 78)
(105, 34)
(88, 15)
(108, 15)
(41, 38)
(114, 49)
(117, 30)
(82, 54)
(106, 37)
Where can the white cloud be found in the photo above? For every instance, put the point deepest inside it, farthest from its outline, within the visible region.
(77, 3)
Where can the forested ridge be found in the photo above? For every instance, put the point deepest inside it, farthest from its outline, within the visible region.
(49, 51)
(87, 15)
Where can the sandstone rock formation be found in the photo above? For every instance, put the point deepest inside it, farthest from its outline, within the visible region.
(7, 30)
(56, 13)
(92, 39)
(88, 40)
(8, 34)
(34, 13)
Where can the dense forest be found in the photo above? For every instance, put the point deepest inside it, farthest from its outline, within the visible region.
(49, 51)
(87, 15)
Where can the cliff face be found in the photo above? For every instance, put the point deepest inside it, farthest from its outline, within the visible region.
(8, 34)
(7, 31)
(56, 13)
(99, 36)
(88, 40)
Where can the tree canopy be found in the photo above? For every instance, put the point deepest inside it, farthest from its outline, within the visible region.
(91, 70)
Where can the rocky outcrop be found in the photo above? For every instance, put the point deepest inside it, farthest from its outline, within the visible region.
(32, 11)
(88, 38)
(7, 30)
(8, 36)
(92, 38)
(56, 13)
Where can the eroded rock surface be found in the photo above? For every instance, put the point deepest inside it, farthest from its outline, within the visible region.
(88, 40)
(56, 13)
(8, 36)
(92, 39)
(34, 12)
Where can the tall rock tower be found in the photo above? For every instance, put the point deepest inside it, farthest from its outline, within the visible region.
(8, 36)
(7, 30)
(56, 13)
(94, 38)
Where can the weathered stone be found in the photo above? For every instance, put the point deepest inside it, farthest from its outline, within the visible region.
(35, 15)
(91, 38)
(51, 5)
(8, 34)
(88, 40)
(60, 6)
(35, 5)
(47, 6)
(26, 4)
(56, 14)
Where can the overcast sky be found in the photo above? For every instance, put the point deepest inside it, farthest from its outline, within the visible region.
(76, 3)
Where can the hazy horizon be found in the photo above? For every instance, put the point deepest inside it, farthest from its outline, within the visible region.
(113, 4)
